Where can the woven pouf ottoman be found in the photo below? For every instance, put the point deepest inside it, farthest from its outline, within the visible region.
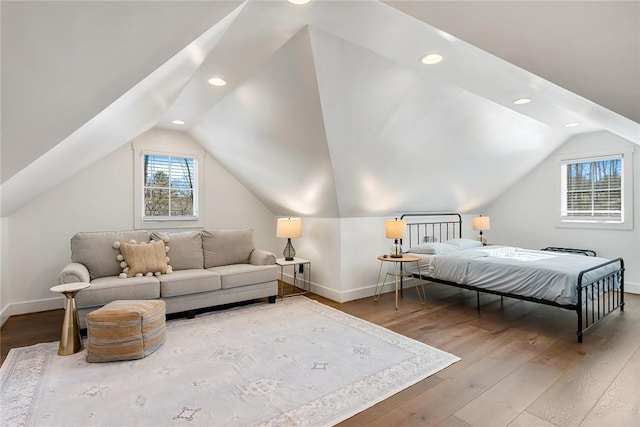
(125, 330)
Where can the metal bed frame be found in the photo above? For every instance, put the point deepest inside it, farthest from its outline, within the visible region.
(590, 311)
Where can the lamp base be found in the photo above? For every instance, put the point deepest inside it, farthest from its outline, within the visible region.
(289, 253)
(396, 250)
(482, 239)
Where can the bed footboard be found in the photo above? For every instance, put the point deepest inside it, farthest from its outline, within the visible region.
(599, 297)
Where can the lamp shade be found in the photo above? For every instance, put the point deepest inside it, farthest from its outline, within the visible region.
(289, 228)
(396, 228)
(481, 223)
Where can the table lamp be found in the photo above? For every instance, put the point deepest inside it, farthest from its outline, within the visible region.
(395, 229)
(289, 228)
(481, 223)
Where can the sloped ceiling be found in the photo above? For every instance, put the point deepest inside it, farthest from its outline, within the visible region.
(327, 112)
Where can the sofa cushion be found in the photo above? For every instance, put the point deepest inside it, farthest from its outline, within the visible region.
(95, 250)
(186, 282)
(107, 289)
(185, 248)
(236, 275)
(225, 247)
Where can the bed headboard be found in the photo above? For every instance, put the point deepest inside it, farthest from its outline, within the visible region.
(431, 227)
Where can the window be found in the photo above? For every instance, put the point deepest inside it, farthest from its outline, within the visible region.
(169, 187)
(594, 190)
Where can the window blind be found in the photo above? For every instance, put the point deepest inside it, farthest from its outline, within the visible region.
(169, 186)
(592, 188)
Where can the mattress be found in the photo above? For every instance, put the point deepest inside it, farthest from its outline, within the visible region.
(550, 276)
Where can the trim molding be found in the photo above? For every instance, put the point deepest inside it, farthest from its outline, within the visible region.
(368, 291)
(351, 295)
(354, 294)
(5, 314)
(31, 307)
(632, 288)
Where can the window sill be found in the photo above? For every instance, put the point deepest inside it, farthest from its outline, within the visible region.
(162, 223)
(169, 218)
(602, 225)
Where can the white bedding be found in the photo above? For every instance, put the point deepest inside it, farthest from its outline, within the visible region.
(551, 276)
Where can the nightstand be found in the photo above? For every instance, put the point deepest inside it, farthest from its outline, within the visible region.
(302, 266)
(399, 273)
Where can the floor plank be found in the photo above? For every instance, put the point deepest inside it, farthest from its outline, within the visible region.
(29, 329)
(525, 419)
(620, 404)
(570, 399)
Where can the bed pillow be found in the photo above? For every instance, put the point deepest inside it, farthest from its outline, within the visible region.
(433, 248)
(143, 259)
(465, 243)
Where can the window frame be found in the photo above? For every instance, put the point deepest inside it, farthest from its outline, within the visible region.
(189, 221)
(626, 220)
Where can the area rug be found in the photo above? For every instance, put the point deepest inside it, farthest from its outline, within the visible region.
(293, 363)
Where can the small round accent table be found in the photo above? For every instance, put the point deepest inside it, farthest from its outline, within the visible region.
(399, 273)
(70, 341)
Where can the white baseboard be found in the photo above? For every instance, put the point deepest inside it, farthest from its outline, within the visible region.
(354, 294)
(632, 288)
(5, 314)
(32, 307)
(369, 291)
(332, 294)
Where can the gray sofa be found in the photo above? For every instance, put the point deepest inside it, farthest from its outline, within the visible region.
(209, 267)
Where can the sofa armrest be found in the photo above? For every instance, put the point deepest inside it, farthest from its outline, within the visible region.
(74, 272)
(261, 257)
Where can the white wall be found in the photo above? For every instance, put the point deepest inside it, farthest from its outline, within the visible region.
(320, 244)
(4, 262)
(344, 254)
(526, 214)
(101, 198)
(343, 251)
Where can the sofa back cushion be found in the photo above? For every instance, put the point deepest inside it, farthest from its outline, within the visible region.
(185, 248)
(226, 246)
(95, 250)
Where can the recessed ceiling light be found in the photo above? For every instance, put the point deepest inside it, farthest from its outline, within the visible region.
(178, 122)
(217, 81)
(299, 2)
(432, 58)
(571, 125)
(522, 101)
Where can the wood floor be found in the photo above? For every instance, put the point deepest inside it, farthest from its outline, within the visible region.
(521, 362)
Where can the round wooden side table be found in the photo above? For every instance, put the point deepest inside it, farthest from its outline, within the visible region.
(70, 341)
(398, 273)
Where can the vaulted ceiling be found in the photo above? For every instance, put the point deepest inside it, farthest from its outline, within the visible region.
(327, 110)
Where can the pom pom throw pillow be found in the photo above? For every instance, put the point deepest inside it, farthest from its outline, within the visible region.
(143, 259)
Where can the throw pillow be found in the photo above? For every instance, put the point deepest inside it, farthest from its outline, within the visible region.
(143, 259)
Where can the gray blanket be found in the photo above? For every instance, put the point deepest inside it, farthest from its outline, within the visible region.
(551, 276)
